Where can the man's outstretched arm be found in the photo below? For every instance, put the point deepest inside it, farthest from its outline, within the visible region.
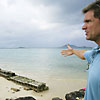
(71, 51)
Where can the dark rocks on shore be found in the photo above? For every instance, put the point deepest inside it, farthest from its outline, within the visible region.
(56, 98)
(23, 98)
(76, 95)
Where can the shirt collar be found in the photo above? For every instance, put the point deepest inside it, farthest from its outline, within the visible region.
(97, 49)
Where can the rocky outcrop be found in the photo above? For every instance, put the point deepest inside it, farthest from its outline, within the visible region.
(29, 83)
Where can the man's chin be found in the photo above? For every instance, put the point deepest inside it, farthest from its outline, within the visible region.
(87, 38)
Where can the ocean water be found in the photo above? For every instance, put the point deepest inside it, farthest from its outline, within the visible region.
(42, 62)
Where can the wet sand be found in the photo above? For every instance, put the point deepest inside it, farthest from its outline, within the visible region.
(57, 88)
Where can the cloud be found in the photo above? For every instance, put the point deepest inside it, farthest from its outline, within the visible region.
(40, 22)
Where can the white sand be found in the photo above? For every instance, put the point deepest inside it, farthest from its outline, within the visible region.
(57, 88)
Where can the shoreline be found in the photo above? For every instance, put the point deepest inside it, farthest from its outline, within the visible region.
(57, 88)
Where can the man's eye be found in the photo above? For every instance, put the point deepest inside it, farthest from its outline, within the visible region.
(87, 21)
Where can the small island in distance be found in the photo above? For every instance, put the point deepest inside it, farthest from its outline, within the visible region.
(77, 47)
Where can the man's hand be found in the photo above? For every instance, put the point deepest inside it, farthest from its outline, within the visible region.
(71, 51)
(67, 52)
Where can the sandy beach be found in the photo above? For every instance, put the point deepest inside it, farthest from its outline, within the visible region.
(57, 88)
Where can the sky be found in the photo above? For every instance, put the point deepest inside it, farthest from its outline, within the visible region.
(42, 23)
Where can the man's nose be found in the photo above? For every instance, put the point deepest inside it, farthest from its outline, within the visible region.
(84, 27)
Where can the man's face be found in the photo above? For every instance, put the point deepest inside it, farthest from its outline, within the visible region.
(91, 27)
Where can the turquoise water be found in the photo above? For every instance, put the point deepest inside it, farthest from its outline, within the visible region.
(46, 62)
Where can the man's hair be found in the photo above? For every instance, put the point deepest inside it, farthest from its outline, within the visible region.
(94, 6)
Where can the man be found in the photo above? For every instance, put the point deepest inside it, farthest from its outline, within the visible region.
(92, 32)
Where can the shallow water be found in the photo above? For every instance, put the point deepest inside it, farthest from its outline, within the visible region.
(42, 62)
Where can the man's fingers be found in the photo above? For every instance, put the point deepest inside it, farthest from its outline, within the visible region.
(63, 53)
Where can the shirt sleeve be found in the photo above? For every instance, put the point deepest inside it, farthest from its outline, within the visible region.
(88, 56)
